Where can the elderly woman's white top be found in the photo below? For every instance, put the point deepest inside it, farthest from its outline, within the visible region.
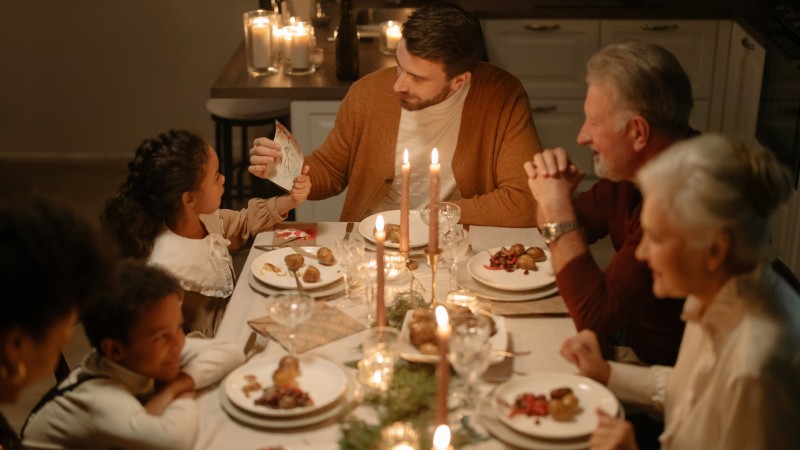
(736, 383)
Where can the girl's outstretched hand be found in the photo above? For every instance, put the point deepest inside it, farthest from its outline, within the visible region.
(301, 186)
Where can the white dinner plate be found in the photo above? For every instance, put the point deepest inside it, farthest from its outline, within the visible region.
(324, 380)
(517, 280)
(286, 423)
(325, 293)
(591, 395)
(465, 281)
(417, 230)
(410, 353)
(488, 418)
(283, 278)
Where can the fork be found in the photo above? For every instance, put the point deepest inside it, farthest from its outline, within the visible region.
(259, 343)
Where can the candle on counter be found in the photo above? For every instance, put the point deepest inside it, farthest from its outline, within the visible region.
(380, 236)
(393, 35)
(443, 330)
(299, 46)
(433, 204)
(279, 41)
(441, 438)
(405, 170)
(261, 35)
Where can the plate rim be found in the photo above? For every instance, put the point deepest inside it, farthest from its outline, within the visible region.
(278, 414)
(371, 219)
(259, 261)
(562, 379)
(505, 287)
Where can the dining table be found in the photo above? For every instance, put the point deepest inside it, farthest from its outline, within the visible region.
(540, 334)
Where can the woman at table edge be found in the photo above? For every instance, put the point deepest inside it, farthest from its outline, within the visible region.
(40, 241)
(707, 203)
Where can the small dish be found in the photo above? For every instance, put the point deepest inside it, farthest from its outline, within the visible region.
(417, 230)
(271, 269)
(410, 353)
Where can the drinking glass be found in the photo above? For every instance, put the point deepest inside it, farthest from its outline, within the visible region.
(380, 347)
(454, 243)
(290, 309)
(449, 214)
(470, 354)
(350, 253)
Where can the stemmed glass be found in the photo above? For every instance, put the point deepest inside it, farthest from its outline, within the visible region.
(454, 243)
(290, 309)
(449, 214)
(470, 354)
(350, 253)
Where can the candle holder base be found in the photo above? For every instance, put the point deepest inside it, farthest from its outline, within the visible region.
(304, 71)
(433, 263)
(263, 71)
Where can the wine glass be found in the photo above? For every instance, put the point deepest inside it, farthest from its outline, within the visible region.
(470, 354)
(350, 253)
(454, 243)
(449, 214)
(290, 309)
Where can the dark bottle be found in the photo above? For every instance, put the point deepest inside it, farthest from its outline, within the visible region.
(347, 44)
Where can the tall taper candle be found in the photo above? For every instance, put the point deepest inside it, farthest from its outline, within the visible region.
(380, 236)
(443, 367)
(433, 204)
(405, 169)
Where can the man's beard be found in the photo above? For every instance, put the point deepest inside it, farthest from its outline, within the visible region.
(422, 104)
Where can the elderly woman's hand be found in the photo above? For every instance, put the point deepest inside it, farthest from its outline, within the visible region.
(583, 350)
(612, 434)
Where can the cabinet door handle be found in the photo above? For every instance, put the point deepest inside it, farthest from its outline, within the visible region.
(747, 44)
(544, 109)
(660, 27)
(539, 27)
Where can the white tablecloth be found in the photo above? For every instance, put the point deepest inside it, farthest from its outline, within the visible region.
(542, 335)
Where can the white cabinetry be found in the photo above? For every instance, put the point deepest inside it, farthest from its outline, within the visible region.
(743, 86)
(311, 123)
(549, 57)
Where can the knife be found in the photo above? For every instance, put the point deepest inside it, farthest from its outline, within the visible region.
(348, 230)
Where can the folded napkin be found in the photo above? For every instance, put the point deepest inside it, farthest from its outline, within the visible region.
(551, 306)
(295, 234)
(326, 324)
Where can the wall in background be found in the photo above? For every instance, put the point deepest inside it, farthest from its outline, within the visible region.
(91, 79)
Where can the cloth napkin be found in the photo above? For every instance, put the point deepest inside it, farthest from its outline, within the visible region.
(295, 234)
(552, 306)
(326, 324)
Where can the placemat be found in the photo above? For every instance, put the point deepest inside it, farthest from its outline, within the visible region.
(552, 306)
(295, 234)
(327, 324)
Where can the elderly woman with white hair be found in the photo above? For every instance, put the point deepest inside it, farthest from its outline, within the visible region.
(736, 383)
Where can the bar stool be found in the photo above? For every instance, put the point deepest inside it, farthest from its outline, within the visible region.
(228, 113)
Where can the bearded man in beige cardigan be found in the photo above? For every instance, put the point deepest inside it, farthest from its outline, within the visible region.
(439, 95)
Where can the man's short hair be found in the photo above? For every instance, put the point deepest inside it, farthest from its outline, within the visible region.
(135, 287)
(648, 80)
(444, 32)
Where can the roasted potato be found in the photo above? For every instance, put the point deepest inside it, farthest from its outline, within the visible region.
(325, 256)
(294, 261)
(311, 275)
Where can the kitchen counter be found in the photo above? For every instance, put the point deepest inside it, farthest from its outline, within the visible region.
(235, 82)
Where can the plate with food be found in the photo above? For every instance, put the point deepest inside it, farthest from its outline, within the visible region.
(417, 230)
(553, 405)
(418, 342)
(287, 386)
(513, 268)
(273, 268)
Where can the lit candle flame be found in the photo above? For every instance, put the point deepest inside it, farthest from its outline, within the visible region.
(435, 156)
(441, 438)
(405, 157)
(442, 319)
(379, 223)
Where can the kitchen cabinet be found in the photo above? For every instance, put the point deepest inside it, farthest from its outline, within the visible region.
(743, 86)
(311, 123)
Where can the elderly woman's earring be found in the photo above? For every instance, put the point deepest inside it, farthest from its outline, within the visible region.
(17, 377)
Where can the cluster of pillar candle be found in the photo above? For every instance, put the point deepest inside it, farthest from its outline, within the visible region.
(270, 43)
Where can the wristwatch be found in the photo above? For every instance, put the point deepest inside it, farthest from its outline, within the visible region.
(553, 230)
